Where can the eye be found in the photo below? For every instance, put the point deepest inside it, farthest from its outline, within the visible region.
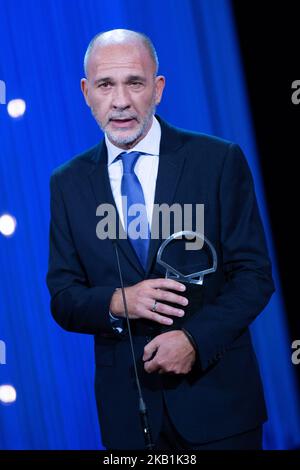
(136, 84)
(104, 85)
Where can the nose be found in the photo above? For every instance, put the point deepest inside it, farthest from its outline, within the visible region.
(120, 99)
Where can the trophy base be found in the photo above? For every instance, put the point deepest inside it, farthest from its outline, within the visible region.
(194, 294)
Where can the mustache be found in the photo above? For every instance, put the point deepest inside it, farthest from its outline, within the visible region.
(122, 116)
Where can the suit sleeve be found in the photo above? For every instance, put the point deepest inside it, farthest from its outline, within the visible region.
(245, 263)
(75, 305)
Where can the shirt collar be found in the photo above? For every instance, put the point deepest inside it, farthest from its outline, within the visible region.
(148, 145)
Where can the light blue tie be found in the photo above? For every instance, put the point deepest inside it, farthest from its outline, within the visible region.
(132, 189)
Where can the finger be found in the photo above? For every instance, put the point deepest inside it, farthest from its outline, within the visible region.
(164, 309)
(156, 317)
(151, 366)
(163, 283)
(149, 350)
(148, 314)
(164, 295)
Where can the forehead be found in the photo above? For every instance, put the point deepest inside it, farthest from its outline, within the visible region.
(114, 58)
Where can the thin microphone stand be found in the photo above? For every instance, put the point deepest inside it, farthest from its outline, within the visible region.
(142, 406)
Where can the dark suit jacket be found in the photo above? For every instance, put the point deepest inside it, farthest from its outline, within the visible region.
(222, 395)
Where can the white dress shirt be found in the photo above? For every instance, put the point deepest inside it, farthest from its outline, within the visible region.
(145, 169)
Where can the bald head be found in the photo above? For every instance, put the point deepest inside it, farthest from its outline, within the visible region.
(120, 37)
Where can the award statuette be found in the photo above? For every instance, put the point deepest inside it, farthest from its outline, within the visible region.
(194, 282)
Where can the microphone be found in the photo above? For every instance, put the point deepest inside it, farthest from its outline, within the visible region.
(142, 405)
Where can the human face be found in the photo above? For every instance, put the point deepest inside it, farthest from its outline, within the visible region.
(122, 91)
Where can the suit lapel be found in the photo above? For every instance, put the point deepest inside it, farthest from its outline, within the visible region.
(99, 180)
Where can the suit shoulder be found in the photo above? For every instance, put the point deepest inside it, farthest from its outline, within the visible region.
(216, 148)
(202, 139)
(212, 150)
(81, 163)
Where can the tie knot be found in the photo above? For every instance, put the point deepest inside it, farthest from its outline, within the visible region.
(129, 160)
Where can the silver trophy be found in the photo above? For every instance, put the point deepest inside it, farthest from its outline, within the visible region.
(194, 278)
(193, 282)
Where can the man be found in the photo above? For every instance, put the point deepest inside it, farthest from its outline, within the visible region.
(200, 381)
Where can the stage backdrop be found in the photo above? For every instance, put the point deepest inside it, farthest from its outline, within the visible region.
(42, 47)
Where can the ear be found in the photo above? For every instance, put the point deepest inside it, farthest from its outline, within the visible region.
(159, 88)
(85, 89)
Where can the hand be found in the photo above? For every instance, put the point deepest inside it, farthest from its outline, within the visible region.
(140, 299)
(174, 353)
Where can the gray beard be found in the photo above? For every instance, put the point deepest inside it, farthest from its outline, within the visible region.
(126, 140)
